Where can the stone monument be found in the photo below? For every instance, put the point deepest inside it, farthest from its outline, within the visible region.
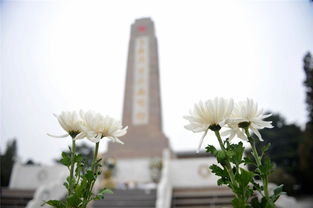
(142, 102)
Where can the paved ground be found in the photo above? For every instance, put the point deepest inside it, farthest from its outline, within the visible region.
(306, 202)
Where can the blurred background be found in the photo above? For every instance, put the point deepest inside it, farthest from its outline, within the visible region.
(71, 55)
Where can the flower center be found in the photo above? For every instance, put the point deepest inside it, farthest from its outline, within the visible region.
(244, 124)
(73, 134)
(215, 127)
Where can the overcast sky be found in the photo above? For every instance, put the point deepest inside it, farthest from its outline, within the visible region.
(71, 55)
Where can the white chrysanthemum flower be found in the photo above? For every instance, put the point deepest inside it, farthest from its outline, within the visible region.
(70, 122)
(95, 127)
(233, 131)
(212, 114)
(248, 112)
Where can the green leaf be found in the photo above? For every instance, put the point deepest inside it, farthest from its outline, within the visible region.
(89, 175)
(257, 186)
(265, 148)
(66, 160)
(221, 156)
(222, 181)
(66, 185)
(270, 204)
(102, 192)
(244, 177)
(267, 203)
(226, 142)
(230, 153)
(211, 149)
(73, 200)
(279, 189)
(55, 203)
(237, 203)
(248, 192)
(266, 167)
(78, 158)
(238, 151)
(78, 170)
(277, 192)
(255, 203)
(79, 165)
(218, 171)
(70, 180)
(248, 161)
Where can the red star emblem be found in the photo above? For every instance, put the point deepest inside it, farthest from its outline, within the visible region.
(141, 28)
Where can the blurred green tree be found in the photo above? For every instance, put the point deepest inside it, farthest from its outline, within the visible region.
(285, 140)
(7, 160)
(306, 148)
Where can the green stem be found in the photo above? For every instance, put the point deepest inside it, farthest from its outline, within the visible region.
(95, 157)
(72, 165)
(94, 170)
(228, 166)
(258, 162)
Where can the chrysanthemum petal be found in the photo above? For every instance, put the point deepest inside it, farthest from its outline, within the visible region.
(81, 135)
(117, 140)
(248, 111)
(97, 127)
(94, 139)
(201, 140)
(61, 136)
(208, 113)
(69, 121)
(257, 133)
(241, 135)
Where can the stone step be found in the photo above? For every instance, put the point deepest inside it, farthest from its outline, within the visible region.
(214, 201)
(12, 206)
(134, 191)
(212, 197)
(128, 198)
(205, 206)
(125, 204)
(204, 189)
(202, 195)
(15, 198)
(16, 192)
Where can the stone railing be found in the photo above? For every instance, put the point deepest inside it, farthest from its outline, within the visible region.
(164, 190)
(53, 190)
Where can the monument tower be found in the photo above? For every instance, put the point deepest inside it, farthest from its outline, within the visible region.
(142, 99)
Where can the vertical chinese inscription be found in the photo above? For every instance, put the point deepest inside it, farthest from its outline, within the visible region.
(141, 81)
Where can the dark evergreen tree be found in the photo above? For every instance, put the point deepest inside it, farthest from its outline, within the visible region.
(7, 161)
(308, 83)
(306, 148)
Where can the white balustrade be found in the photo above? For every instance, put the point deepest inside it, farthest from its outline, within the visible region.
(53, 190)
(164, 189)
